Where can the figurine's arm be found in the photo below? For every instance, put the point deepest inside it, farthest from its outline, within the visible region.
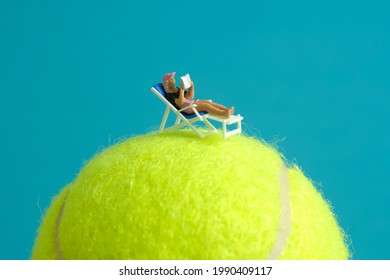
(191, 91)
(180, 100)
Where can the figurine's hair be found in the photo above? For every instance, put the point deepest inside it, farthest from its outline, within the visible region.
(165, 86)
(166, 78)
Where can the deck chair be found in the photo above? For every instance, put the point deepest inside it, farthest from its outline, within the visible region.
(182, 119)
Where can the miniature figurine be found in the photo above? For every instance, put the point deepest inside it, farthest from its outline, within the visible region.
(180, 98)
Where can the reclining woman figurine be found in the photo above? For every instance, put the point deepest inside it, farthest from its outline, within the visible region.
(181, 98)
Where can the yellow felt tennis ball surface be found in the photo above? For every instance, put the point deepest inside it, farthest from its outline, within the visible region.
(177, 196)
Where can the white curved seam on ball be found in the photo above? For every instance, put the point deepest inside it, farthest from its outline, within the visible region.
(284, 227)
(60, 256)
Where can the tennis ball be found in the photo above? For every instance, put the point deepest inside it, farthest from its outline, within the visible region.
(177, 196)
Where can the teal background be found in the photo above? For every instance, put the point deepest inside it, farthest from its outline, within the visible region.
(313, 76)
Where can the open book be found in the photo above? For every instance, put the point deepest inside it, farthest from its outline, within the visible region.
(186, 81)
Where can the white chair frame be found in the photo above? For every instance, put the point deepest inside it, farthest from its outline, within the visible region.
(181, 120)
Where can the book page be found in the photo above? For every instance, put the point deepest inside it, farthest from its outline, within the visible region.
(186, 81)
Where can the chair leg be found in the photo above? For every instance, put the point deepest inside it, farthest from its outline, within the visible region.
(209, 125)
(176, 126)
(164, 120)
(224, 129)
(211, 130)
(227, 134)
(196, 130)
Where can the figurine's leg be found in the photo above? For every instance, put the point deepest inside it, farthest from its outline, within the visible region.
(213, 110)
(219, 106)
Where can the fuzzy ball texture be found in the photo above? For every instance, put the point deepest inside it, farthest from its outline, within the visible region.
(177, 196)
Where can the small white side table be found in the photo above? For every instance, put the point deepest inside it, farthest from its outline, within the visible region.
(233, 119)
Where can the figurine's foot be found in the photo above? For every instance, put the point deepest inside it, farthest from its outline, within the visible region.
(223, 115)
(231, 111)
